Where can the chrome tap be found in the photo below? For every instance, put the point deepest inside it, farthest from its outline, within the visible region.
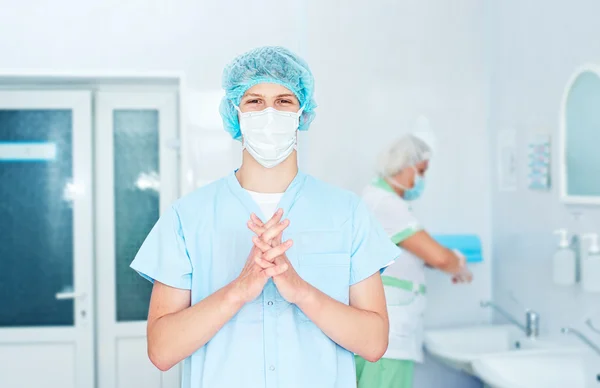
(590, 324)
(532, 319)
(582, 338)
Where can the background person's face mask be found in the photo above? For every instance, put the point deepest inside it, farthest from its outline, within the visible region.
(416, 191)
(269, 135)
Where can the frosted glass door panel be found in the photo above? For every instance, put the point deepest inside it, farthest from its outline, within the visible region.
(36, 218)
(137, 201)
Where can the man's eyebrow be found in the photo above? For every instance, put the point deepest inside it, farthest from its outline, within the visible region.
(278, 96)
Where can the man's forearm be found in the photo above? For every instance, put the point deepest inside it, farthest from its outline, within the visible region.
(359, 331)
(173, 337)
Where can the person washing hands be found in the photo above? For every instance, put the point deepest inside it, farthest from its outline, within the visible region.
(267, 277)
(401, 180)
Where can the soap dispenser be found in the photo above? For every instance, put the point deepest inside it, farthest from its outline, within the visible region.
(590, 279)
(564, 261)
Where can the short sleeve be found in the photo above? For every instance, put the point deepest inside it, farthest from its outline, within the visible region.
(396, 219)
(163, 256)
(372, 249)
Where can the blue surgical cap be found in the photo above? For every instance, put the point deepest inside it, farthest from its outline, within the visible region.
(266, 65)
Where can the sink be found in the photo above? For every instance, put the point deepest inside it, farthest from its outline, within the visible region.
(544, 368)
(459, 347)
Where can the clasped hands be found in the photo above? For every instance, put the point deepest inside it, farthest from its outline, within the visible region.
(268, 259)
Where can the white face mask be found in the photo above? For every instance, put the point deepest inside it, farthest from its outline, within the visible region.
(269, 135)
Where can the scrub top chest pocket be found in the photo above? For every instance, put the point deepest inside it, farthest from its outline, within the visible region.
(324, 262)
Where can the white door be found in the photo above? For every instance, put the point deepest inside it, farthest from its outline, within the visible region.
(46, 285)
(136, 180)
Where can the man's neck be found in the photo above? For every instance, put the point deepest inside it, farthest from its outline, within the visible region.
(254, 177)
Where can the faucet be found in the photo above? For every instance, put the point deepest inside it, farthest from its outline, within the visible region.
(590, 324)
(532, 319)
(582, 337)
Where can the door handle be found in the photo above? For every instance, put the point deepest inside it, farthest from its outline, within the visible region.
(69, 295)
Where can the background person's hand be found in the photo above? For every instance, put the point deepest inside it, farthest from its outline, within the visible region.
(463, 275)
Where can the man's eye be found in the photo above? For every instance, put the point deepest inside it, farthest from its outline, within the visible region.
(252, 102)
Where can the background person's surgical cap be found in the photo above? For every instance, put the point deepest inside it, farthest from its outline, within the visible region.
(407, 151)
(266, 65)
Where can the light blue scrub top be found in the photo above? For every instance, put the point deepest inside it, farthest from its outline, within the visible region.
(202, 243)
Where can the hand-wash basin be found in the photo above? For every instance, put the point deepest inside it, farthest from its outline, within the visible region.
(459, 347)
(543, 368)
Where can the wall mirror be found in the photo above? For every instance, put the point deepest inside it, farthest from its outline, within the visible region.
(580, 138)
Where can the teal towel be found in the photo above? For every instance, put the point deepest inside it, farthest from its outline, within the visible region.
(467, 244)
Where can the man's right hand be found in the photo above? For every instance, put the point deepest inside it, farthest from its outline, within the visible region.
(251, 281)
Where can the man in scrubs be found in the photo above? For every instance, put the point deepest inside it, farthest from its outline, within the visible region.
(267, 277)
(402, 180)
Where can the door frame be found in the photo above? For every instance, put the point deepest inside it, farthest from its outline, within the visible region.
(79, 102)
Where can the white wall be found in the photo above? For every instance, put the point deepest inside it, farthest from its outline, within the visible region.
(378, 65)
(384, 64)
(536, 45)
